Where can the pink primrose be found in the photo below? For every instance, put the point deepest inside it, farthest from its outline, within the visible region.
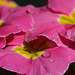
(66, 9)
(38, 49)
(54, 60)
(45, 23)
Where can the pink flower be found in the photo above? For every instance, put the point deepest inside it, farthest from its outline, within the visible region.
(41, 18)
(42, 56)
(13, 21)
(66, 18)
(34, 50)
(45, 23)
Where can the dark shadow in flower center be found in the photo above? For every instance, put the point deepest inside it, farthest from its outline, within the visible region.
(40, 44)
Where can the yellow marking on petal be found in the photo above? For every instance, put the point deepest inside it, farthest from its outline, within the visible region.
(73, 14)
(65, 19)
(18, 48)
(21, 50)
(37, 54)
(25, 53)
(1, 22)
(10, 3)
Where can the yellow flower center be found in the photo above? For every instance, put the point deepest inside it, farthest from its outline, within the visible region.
(10, 3)
(34, 48)
(1, 22)
(65, 19)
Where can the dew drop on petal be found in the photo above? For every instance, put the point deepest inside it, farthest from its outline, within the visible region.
(28, 11)
(46, 54)
(45, 64)
(52, 60)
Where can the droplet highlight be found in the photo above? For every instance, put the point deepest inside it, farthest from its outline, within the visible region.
(28, 11)
(44, 64)
(46, 54)
(52, 60)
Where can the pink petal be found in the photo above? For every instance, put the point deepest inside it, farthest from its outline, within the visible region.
(22, 17)
(7, 29)
(57, 63)
(46, 17)
(42, 30)
(72, 54)
(37, 68)
(15, 20)
(67, 42)
(53, 35)
(2, 42)
(12, 61)
(63, 6)
(4, 12)
(24, 22)
(15, 39)
(44, 22)
(71, 34)
(67, 31)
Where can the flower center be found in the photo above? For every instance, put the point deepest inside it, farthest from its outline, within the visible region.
(34, 48)
(1, 22)
(65, 19)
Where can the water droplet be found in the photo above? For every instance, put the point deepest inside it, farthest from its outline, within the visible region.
(52, 60)
(44, 64)
(46, 54)
(28, 11)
